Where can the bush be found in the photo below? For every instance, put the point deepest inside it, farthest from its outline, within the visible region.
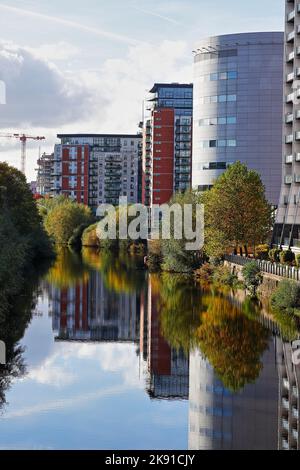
(89, 236)
(252, 277)
(205, 273)
(287, 257)
(64, 218)
(262, 252)
(286, 298)
(274, 255)
(75, 240)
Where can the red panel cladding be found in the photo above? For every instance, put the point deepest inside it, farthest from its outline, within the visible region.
(65, 168)
(79, 157)
(163, 155)
(63, 308)
(160, 353)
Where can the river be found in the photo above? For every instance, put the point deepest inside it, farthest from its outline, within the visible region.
(104, 355)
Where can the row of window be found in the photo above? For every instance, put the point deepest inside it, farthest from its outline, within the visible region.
(218, 143)
(217, 99)
(216, 55)
(217, 121)
(175, 94)
(213, 77)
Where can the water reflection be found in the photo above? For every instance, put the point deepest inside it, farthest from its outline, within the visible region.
(210, 350)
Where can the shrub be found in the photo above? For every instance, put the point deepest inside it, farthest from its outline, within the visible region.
(89, 237)
(223, 276)
(287, 257)
(75, 240)
(205, 273)
(262, 252)
(286, 298)
(274, 255)
(63, 219)
(252, 277)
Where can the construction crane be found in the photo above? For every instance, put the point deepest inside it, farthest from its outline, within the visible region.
(23, 139)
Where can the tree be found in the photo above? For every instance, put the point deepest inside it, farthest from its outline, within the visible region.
(176, 258)
(18, 205)
(252, 276)
(64, 218)
(236, 210)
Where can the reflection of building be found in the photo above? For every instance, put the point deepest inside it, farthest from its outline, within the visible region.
(167, 369)
(289, 406)
(219, 419)
(91, 312)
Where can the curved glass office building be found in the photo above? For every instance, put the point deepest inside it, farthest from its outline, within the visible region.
(238, 83)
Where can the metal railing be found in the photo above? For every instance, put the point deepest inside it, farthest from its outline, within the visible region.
(277, 269)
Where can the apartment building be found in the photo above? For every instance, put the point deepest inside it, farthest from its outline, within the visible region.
(237, 111)
(98, 168)
(167, 142)
(45, 174)
(287, 228)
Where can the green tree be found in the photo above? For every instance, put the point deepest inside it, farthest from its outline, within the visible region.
(252, 277)
(64, 218)
(237, 213)
(176, 258)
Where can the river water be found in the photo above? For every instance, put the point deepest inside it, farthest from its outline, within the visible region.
(104, 355)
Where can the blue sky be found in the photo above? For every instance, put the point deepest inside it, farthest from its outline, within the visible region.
(86, 66)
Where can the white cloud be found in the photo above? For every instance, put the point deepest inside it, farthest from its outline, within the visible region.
(59, 51)
(38, 93)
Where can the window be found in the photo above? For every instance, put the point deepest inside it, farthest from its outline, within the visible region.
(231, 75)
(223, 76)
(212, 143)
(231, 143)
(214, 76)
(231, 120)
(222, 120)
(231, 98)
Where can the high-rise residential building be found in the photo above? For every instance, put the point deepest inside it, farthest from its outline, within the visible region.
(98, 168)
(287, 228)
(238, 108)
(167, 143)
(45, 174)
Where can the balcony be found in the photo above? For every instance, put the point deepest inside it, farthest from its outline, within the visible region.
(285, 424)
(295, 391)
(297, 178)
(291, 36)
(289, 118)
(290, 77)
(289, 138)
(288, 180)
(289, 159)
(295, 413)
(297, 158)
(285, 444)
(291, 16)
(290, 98)
(290, 57)
(297, 135)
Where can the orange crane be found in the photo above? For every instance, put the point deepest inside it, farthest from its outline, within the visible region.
(23, 139)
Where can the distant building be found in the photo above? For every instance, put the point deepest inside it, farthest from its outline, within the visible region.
(167, 142)
(238, 107)
(45, 174)
(98, 168)
(33, 187)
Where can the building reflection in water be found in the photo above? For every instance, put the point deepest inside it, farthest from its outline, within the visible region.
(262, 415)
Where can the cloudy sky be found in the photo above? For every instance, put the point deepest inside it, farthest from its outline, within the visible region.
(85, 66)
